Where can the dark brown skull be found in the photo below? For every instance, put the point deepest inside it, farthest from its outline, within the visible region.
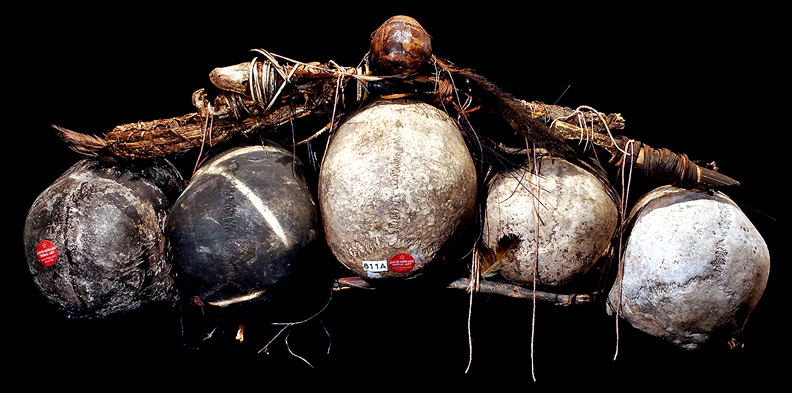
(399, 47)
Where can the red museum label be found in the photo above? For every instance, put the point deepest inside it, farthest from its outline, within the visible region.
(47, 253)
(401, 263)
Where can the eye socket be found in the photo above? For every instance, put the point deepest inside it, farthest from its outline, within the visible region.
(400, 46)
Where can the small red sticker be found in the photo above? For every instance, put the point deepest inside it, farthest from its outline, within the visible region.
(401, 263)
(47, 253)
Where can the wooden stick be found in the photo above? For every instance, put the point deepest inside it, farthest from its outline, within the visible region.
(660, 163)
(497, 288)
(316, 84)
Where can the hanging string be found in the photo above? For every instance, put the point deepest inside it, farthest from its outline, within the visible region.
(626, 167)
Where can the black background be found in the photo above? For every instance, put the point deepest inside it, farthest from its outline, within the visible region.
(705, 82)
